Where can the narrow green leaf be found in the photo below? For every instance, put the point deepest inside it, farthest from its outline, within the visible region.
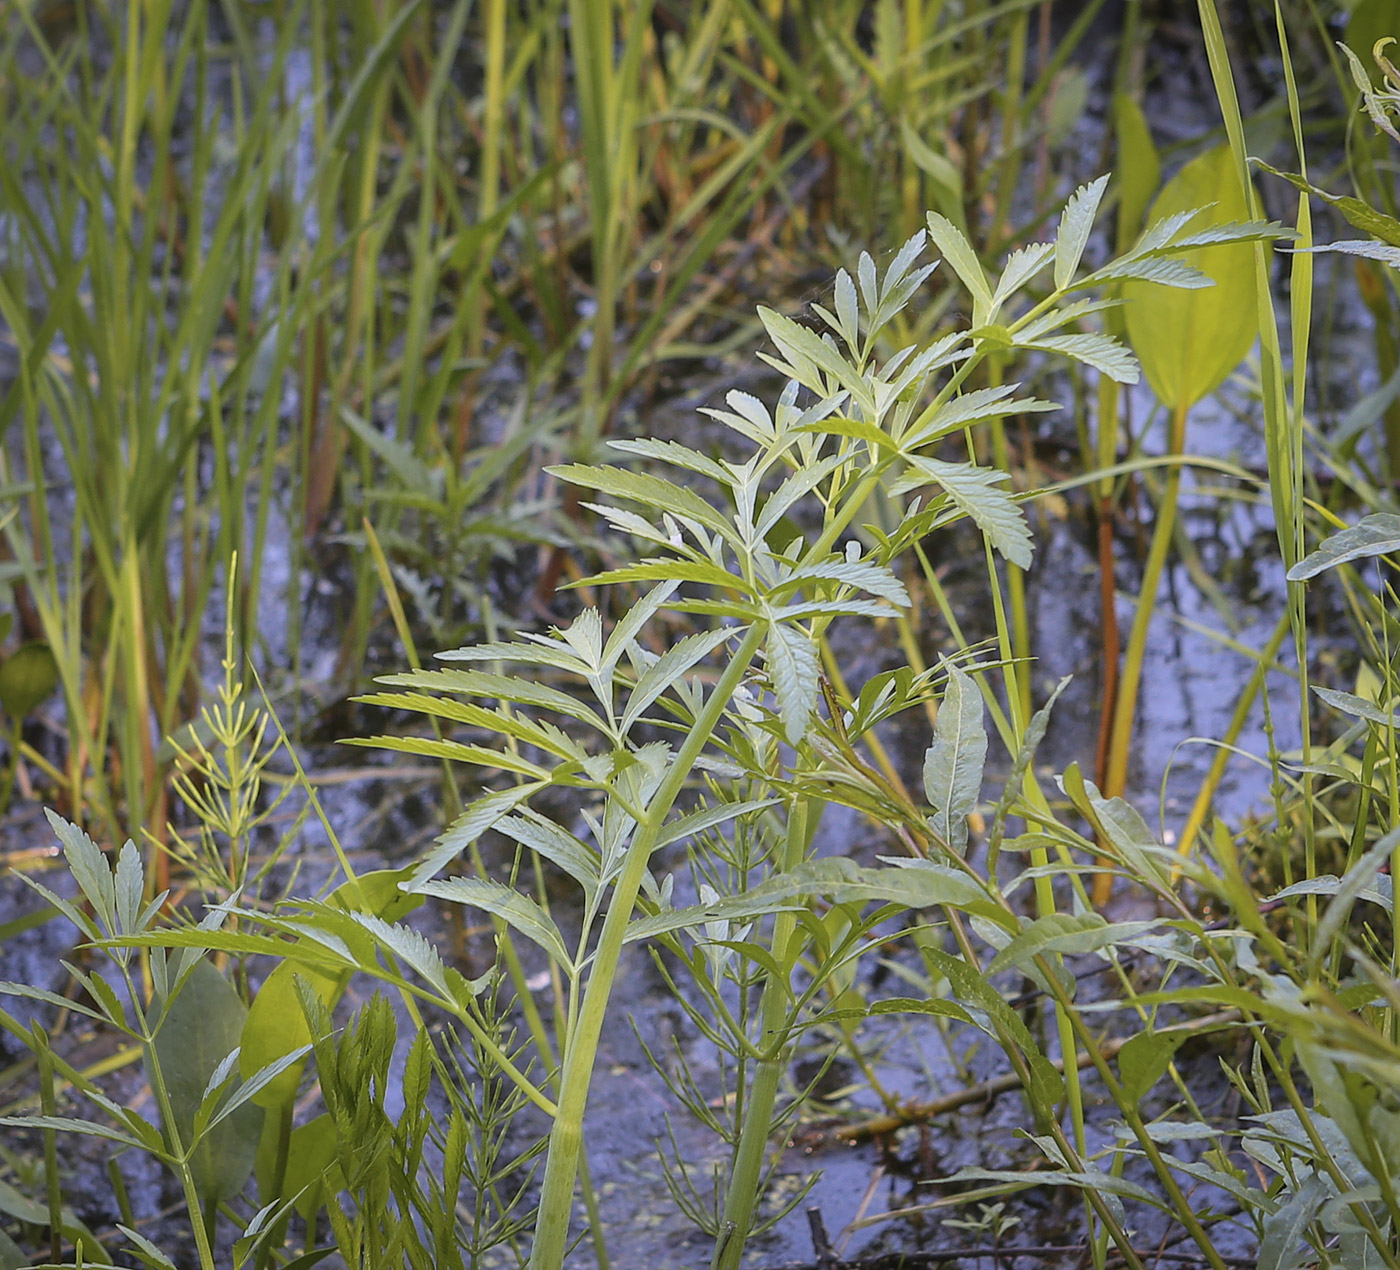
(651, 491)
(877, 579)
(1066, 934)
(1283, 1243)
(556, 844)
(1357, 707)
(1021, 266)
(954, 762)
(1360, 215)
(89, 869)
(467, 828)
(410, 947)
(976, 406)
(812, 357)
(518, 911)
(675, 662)
(1102, 352)
(972, 988)
(957, 251)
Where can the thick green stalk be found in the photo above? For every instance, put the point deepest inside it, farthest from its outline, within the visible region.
(566, 1138)
(744, 1181)
(1122, 735)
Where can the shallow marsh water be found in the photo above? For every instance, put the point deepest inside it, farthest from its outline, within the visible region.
(1190, 687)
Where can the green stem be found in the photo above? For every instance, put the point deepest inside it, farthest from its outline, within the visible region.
(566, 1138)
(746, 1178)
(1121, 737)
(1046, 1122)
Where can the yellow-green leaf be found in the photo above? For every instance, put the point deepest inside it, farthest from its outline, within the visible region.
(1370, 21)
(1189, 340)
(27, 677)
(276, 1026)
(1139, 170)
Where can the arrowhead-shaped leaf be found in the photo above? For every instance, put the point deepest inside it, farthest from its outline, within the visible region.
(1189, 340)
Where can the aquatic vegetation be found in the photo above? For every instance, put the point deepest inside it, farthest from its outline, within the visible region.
(407, 353)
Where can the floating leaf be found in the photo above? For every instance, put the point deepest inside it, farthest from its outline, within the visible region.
(276, 1026)
(311, 1156)
(1188, 341)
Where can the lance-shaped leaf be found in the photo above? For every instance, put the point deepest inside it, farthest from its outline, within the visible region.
(1021, 266)
(972, 988)
(676, 661)
(977, 492)
(518, 911)
(1102, 352)
(1076, 224)
(1375, 535)
(468, 827)
(408, 946)
(957, 251)
(650, 491)
(557, 845)
(1359, 215)
(954, 762)
(972, 407)
(876, 579)
(1066, 934)
(479, 683)
(810, 358)
(793, 670)
(1189, 340)
(89, 869)
(1357, 707)
(1282, 1245)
